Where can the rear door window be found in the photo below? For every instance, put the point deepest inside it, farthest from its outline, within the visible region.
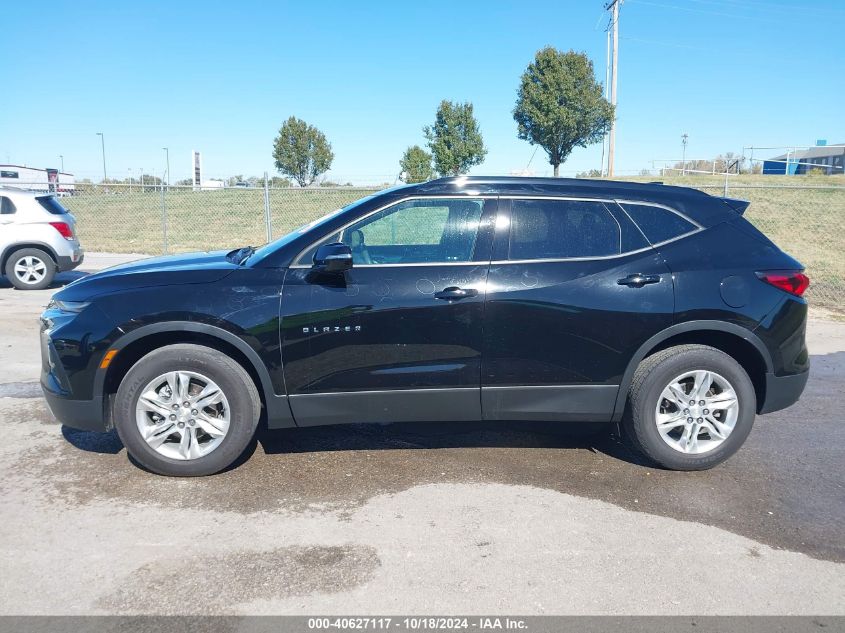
(51, 204)
(658, 224)
(562, 229)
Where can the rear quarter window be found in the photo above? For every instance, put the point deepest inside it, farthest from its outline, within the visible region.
(658, 224)
(7, 207)
(52, 205)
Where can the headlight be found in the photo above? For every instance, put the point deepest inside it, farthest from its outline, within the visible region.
(67, 306)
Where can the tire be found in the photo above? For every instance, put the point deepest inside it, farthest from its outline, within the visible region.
(646, 394)
(30, 269)
(202, 453)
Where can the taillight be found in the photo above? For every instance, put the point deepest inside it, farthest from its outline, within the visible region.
(63, 228)
(792, 281)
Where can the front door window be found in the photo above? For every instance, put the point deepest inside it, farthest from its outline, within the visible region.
(421, 231)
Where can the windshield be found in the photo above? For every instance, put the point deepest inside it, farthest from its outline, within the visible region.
(272, 247)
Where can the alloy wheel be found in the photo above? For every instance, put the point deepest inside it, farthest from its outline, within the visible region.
(182, 415)
(30, 270)
(696, 412)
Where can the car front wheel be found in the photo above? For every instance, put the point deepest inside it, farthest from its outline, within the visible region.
(186, 410)
(690, 407)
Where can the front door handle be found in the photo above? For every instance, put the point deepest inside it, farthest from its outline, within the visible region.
(638, 280)
(453, 292)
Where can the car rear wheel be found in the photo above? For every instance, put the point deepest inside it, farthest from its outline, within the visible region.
(690, 407)
(186, 410)
(30, 269)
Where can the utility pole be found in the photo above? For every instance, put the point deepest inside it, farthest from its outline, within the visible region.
(613, 6)
(103, 144)
(684, 138)
(606, 96)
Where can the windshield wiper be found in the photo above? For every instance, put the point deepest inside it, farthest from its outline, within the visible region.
(240, 255)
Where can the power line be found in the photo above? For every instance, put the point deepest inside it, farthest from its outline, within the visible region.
(756, 18)
(667, 44)
(777, 7)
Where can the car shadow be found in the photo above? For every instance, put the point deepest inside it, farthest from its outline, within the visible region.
(592, 437)
(93, 441)
(60, 281)
(595, 438)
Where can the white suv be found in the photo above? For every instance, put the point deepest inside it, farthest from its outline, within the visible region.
(37, 238)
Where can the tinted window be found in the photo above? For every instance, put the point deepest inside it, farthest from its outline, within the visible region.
(52, 205)
(7, 207)
(559, 229)
(416, 231)
(658, 224)
(431, 230)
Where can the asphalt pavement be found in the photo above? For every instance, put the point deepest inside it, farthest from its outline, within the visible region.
(438, 518)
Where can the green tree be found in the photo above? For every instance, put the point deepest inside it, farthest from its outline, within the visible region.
(301, 151)
(559, 104)
(416, 165)
(455, 139)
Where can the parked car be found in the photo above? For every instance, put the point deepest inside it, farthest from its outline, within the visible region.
(460, 299)
(37, 238)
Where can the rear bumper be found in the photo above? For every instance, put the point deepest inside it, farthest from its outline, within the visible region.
(87, 415)
(783, 391)
(69, 262)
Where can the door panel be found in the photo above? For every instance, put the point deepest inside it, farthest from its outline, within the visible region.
(376, 345)
(559, 334)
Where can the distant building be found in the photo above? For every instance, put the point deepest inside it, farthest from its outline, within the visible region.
(829, 159)
(36, 179)
(211, 185)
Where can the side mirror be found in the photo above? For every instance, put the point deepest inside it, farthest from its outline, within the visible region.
(333, 258)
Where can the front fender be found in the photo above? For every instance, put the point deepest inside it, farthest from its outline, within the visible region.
(278, 410)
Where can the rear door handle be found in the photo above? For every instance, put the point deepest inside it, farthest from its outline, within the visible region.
(638, 280)
(453, 292)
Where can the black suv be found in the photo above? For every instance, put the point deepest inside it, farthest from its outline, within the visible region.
(460, 299)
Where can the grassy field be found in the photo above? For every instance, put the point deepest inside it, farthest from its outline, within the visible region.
(804, 215)
(205, 220)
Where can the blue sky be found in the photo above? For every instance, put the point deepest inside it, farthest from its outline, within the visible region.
(221, 78)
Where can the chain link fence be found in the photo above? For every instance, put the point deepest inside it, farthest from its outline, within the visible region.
(808, 222)
(156, 220)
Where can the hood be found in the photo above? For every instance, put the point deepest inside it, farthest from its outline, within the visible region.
(169, 270)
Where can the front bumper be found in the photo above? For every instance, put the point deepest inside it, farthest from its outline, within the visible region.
(783, 391)
(87, 415)
(80, 413)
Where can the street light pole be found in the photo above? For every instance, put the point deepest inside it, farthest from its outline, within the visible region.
(103, 145)
(62, 158)
(167, 154)
(684, 138)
